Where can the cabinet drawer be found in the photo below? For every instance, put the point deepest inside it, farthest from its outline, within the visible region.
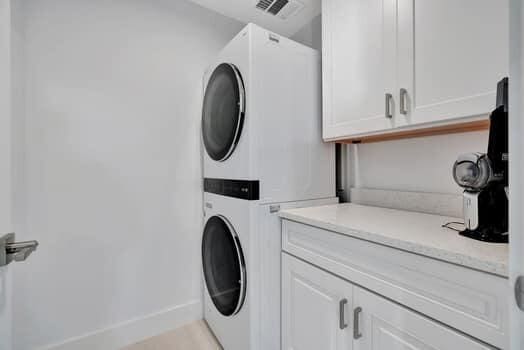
(468, 300)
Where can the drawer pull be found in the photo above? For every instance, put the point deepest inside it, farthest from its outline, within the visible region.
(342, 314)
(389, 98)
(403, 100)
(356, 323)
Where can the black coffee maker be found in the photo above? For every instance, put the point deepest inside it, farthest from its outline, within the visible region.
(484, 177)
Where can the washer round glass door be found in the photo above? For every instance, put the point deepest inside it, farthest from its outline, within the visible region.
(223, 111)
(224, 267)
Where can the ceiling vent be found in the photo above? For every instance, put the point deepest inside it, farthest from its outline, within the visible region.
(280, 8)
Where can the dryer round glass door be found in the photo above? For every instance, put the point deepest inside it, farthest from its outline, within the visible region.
(223, 112)
(224, 267)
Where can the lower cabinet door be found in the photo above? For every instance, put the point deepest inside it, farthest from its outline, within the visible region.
(316, 308)
(383, 325)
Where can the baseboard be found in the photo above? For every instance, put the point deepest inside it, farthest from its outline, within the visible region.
(135, 330)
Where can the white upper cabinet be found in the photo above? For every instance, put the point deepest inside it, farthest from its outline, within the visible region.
(451, 55)
(390, 65)
(358, 65)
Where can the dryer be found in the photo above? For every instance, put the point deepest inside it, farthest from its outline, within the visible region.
(261, 119)
(241, 262)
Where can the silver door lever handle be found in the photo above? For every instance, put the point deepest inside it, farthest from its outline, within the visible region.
(15, 251)
(19, 251)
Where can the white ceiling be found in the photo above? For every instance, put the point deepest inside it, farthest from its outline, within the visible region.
(245, 11)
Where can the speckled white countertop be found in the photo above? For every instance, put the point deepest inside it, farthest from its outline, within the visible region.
(410, 231)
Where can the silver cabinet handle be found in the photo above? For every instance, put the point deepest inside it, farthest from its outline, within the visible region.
(403, 98)
(389, 98)
(342, 314)
(519, 292)
(356, 321)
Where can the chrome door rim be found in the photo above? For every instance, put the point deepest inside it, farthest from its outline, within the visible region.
(240, 258)
(241, 111)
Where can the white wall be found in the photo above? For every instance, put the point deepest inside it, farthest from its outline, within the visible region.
(421, 164)
(108, 166)
(5, 117)
(418, 164)
(311, 34)
(5, 167)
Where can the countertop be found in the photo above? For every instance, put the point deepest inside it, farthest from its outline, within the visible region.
(410, 231)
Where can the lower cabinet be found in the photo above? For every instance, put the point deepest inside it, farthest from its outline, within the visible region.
(323, 311)
(314, 308)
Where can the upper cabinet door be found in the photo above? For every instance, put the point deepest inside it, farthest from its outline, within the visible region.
(451, 54)
(316, 308)
(359, 66)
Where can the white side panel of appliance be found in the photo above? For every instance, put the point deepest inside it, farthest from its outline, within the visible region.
(292, 161)
(516, 169)
(266, 248)
(237, 166)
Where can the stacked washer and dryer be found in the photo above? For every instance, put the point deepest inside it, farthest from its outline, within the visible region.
(261, 131)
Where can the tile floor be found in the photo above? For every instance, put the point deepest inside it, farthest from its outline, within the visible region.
(194, 336)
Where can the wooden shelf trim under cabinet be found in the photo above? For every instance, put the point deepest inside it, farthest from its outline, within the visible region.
(476, 125)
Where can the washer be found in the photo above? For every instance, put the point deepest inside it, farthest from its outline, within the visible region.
(241, 259)
(261, 118)
(225, 263)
